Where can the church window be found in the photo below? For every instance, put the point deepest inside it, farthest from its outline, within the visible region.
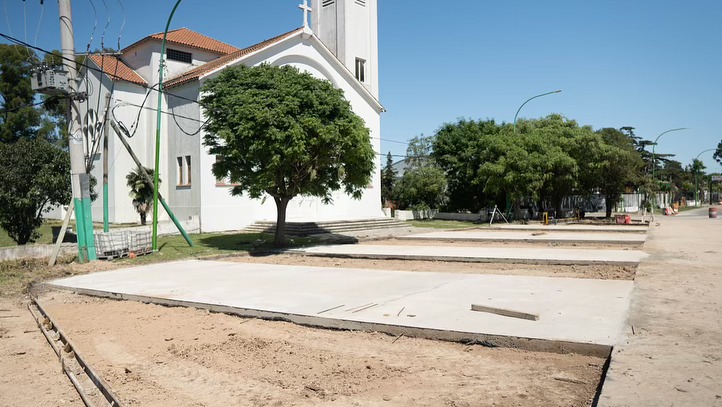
(184, 171)
(180, 171)
(361, 70)
(327, 3)
(361, 3)
(180, 56)
(188, 170)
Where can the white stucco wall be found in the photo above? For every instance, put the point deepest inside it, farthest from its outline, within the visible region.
(184, 200)
(120, 207)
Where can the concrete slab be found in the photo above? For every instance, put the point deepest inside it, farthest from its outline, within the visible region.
(570, 310)
(524, 236)
(526, 255)
(574, 227)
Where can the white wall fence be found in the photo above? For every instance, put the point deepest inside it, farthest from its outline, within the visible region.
(628, 203)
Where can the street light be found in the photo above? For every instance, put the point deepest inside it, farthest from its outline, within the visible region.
(654, 161)
(527, 101)
(696, 186)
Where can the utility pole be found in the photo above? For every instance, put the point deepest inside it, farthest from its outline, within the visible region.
(106, 131)
(80, 180)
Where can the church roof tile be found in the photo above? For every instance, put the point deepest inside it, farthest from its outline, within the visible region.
(190, 38)
(117, 70)
(196, 73)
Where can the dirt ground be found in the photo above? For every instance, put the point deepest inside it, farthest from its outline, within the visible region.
(187, 357)
(153, 355)
(599, 272)
(30, 374)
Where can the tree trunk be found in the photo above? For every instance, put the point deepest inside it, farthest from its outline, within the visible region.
(609, 202)
(281, 205)
(142, 218)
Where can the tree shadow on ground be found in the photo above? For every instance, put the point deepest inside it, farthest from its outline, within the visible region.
(261, 244)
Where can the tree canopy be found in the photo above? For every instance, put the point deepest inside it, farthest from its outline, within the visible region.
(423, 185)
(541, 163)
(34, 175)
(388, 180)
(34, 172)
(282, 132)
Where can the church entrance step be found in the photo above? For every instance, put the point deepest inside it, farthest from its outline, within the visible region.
(316, 228)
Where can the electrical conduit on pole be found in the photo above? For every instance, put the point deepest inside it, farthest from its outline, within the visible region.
(80, 180)
(157, 130)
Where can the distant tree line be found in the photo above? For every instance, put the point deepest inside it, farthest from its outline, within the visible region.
(469, 165)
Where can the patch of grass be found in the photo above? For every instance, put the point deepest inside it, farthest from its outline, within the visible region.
(16, 275)
(46, 235)
(442, 224)
(171, 248)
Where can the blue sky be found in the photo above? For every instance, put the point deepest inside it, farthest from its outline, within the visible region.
(651, 64)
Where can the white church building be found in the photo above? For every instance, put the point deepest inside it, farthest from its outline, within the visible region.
(341, 46)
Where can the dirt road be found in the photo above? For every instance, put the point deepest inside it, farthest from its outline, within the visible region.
(674, 355)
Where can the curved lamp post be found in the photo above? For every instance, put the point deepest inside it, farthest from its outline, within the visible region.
(654, 161)
(696, 185)
(527, 101)
(508, 199)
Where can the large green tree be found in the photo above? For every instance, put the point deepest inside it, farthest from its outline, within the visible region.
(34, 176)
(609, 163)
(388, 180)
(423, 185)
(458, 150)
(19, 118)
(284, 133)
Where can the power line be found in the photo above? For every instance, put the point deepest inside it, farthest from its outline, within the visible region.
(15, 109)
(92, 68)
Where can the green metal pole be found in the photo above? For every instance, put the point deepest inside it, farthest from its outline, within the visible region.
(157, 130)
(106, 159)
(654, 165)
(149, 180)
(528, 100)
(696, 184)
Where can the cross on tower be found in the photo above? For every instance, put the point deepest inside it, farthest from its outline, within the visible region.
(306, 10)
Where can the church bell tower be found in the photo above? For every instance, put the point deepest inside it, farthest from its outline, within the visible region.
(349, 28)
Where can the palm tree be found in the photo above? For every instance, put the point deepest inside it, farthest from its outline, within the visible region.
(141, 191)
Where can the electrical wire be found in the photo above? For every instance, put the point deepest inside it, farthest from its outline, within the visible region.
(42, 12)
(95, 25)
(15, 109)
(40, 20)
(92, 68)
(25, 19)
(133, 127)
(122, 26)
(7, 18)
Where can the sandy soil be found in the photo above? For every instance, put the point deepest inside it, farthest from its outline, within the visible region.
(30, 374)
(187, 357)
(600, 272)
